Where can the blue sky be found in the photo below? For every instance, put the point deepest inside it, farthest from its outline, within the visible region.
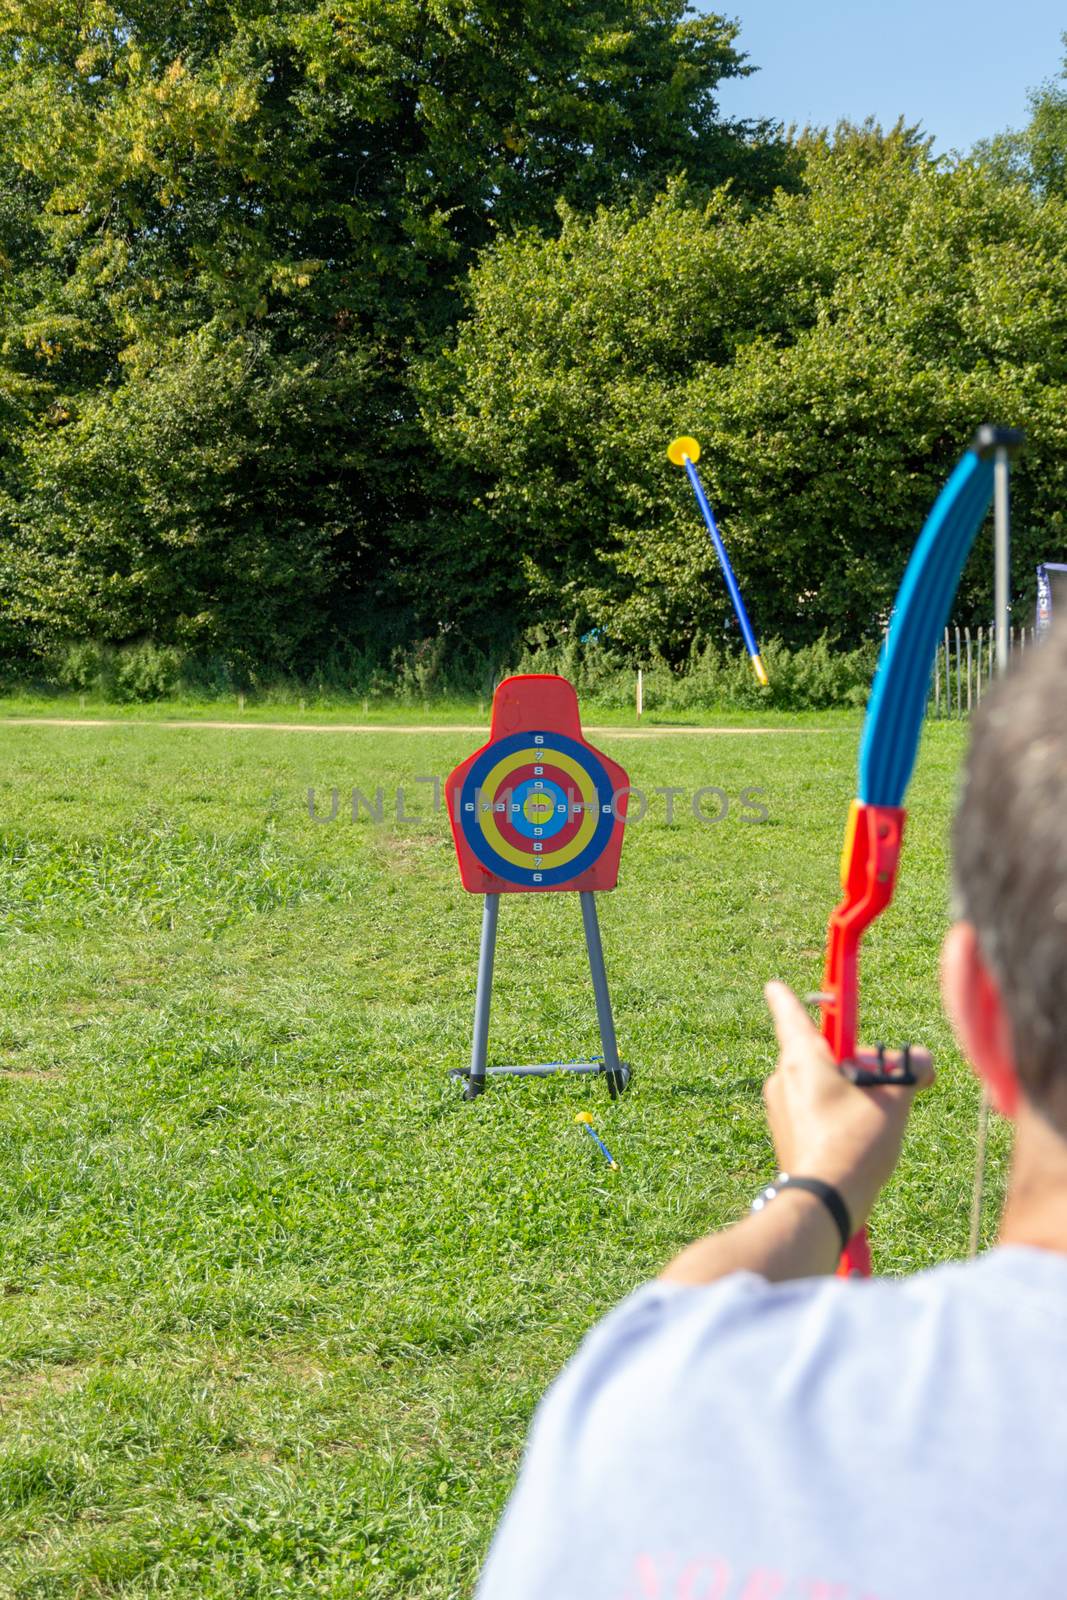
(960, 67)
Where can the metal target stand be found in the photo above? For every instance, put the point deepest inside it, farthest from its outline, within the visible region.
(616, 1073)
(538, 809)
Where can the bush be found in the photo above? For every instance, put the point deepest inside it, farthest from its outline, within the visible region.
(77, 666)
(144, 671)
(714, 678)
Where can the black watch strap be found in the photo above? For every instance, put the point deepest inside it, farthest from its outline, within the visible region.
(831, 1198)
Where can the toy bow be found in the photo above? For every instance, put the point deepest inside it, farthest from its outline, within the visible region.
(888, 749)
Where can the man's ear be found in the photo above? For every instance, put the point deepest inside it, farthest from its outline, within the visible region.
(980, 1022)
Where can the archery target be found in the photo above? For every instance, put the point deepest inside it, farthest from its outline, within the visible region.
(536, 809)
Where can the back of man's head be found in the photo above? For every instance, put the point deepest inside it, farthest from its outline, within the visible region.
(1010, 858)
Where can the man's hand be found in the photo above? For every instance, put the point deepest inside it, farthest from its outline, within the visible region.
(822, 1125)
(825, 1127)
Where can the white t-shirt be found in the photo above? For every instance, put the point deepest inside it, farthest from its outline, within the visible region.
(816, 1440)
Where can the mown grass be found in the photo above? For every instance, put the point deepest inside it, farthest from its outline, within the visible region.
(275, 1304)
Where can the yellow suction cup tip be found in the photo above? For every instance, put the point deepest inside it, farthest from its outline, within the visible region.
(678, 449)
(584, 1116)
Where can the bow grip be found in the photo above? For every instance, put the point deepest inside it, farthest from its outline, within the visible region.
(868, 874)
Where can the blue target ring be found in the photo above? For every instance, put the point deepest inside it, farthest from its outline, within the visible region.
(525, 818)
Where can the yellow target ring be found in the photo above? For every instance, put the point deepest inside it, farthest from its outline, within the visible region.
(538, 808)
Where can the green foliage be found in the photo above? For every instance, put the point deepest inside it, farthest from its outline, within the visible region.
(832, 352)
(141, 672)
(227, 231)
(237, 241)
(812, 678)
(197, 504)
(710, 679)
(1037, 156)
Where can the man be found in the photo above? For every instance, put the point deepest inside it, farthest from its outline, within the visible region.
(752, 1428)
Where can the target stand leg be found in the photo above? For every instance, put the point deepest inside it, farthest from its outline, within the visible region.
(483, 998)
(616, 1073)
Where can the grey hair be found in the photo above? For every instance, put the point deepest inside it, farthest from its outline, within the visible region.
(1010, 855)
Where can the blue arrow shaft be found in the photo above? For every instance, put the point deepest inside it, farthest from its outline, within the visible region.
(605, 1152)
(724, 560)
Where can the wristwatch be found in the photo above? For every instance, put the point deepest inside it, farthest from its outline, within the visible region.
(831, 1198)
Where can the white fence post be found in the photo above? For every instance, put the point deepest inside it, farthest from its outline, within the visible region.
(959, 683)
(948, 681)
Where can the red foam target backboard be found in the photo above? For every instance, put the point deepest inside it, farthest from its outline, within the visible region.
(537, 808)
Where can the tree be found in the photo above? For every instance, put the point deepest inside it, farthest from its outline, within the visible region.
(832, 352)
(1046, 136)
(237, 225)
(1038, 155)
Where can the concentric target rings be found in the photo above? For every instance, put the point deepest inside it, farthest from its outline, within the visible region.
(537, 809)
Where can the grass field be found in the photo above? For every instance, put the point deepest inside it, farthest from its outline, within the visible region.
(346, 711)
(276, 1304)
